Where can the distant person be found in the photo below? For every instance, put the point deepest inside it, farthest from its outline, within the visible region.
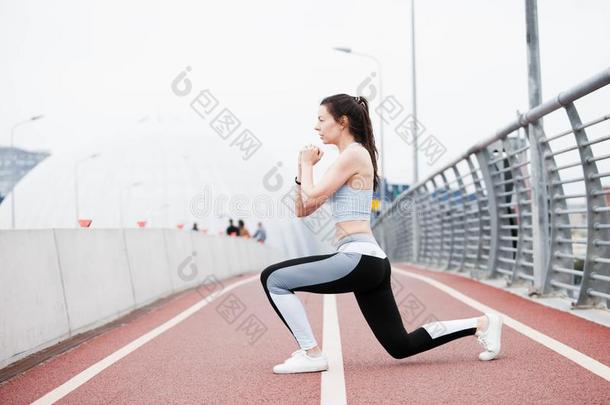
(195, 227)
(232, 230)
(243, 231)
(260, 235)
(359, 265)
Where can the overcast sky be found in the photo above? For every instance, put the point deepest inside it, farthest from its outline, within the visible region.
(102, 69)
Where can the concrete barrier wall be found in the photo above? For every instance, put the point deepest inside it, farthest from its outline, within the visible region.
(57, 283)
(32, 305)
(179, 248)
(148, 265)
(98, 284)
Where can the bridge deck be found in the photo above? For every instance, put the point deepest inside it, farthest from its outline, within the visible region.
(220, 348)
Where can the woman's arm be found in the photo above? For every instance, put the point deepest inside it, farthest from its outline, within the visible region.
(300, 209)
(298, 202)
(310, 197)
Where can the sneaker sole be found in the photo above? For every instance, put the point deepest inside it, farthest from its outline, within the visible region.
(309, 370)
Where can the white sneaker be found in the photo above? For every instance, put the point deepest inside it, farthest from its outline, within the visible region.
(490, 338)
(301, 362)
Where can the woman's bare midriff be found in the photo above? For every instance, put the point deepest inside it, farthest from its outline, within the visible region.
(342, 229)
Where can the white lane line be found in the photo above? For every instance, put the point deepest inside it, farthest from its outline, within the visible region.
(332, 390)
(89, 373)
(577, 357)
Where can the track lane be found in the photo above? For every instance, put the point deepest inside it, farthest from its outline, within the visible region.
(525, 371)
(205, 359)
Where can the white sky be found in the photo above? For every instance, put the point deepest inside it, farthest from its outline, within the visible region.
(95, 69)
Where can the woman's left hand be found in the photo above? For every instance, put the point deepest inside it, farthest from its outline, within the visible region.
(311, 154)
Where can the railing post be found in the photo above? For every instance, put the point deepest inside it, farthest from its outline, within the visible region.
(462, 222)
(593, 267)
(479, 193)
(416, 230)
(522, 213)
(559, 251)
(490, 188)
(437, 248)
(424, 252)
(540, 209)
(382, 231)
(450, 221)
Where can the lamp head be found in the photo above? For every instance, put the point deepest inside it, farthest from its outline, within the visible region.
(342, 49)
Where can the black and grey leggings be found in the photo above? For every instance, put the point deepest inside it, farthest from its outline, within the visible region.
(361, 267)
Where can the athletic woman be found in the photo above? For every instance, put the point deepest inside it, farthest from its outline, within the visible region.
(359, 265)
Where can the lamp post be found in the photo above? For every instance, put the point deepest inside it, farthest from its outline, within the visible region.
(382, 154)
(78, 162)
(34, 118)
(540, 220)
(414, 97)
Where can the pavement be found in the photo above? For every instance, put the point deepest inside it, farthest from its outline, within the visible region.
(219, 347)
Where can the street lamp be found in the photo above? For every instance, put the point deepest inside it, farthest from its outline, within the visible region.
(414, 98)
(78, 162)
(34, 118)
(382, 154)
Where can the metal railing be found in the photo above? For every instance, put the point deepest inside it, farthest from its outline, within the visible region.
(523, 205)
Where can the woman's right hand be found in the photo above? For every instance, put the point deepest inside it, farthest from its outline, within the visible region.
(311, 154)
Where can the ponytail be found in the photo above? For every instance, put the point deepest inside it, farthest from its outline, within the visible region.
(357, 111)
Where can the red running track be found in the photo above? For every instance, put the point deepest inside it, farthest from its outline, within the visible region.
(212, 357)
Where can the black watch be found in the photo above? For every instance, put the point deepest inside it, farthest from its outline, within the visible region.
(296, 181)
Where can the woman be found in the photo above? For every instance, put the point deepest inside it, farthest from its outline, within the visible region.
(242, 230)
(359, 265)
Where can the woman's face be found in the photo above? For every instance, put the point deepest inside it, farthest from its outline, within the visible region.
(327, 128)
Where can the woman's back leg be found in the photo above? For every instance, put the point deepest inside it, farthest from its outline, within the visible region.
(379, 308)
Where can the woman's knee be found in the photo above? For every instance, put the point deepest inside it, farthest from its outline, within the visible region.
(265, 275)
(400, 348)
(271, 280)
(397, 346)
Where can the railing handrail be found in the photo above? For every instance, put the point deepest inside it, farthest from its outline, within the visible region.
(562, 99)
(505, 207)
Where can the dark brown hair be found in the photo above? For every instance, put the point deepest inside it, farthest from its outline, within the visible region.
(356, 109)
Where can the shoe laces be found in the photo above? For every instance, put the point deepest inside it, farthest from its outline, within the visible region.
(483, 341)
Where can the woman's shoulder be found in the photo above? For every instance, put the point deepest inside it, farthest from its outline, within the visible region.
(360, 161)
(356, 154)
(359, 156)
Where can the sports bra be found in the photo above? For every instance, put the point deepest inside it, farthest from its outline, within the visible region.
(348, 203)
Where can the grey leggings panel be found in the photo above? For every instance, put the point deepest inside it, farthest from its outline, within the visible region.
(285, 280)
